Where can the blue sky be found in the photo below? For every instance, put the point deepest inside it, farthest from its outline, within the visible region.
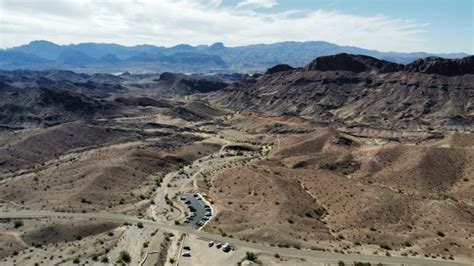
(448, 24)
(396, 25)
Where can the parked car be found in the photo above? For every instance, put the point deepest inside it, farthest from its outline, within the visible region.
(186, 254)
(226, 247)
(210, 244)
(208, 213)
(205, 218)
(187, 248)
(182, 198)
(219, 245)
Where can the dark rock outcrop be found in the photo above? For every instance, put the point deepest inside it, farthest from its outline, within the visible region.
(442, 66)
(279, 68)
(362, 63)
(353, 63)
(180, 84)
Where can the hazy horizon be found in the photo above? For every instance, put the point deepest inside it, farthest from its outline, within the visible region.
(225, 45)
(409, 26)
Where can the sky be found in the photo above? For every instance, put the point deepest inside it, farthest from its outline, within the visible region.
(386, 25)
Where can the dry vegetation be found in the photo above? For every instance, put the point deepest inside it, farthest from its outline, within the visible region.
(284, 181)
(327, 189)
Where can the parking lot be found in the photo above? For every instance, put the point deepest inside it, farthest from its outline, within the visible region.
(198, 213)
(201, 253)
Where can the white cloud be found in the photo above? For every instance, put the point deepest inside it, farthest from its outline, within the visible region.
(257, 3)
(170, 22)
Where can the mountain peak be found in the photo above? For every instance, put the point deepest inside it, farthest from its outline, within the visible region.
(42, 42)
(217, 46)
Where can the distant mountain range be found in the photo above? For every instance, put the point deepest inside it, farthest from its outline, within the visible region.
(100, 57)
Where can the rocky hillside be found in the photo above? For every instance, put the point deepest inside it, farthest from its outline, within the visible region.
(171, 84)
(44, 98)
(362, 90)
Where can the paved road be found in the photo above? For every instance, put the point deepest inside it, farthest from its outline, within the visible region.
(319, 255)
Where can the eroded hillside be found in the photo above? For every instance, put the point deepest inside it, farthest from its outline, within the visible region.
(360, 90)
(351, 156)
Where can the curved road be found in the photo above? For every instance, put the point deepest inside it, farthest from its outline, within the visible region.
(320, 255)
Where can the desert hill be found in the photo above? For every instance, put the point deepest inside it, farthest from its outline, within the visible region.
(361, 90)
(349, 154)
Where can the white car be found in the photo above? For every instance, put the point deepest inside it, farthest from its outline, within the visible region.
(186, 254)
(226, 247)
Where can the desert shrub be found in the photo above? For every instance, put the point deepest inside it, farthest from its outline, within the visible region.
(250, 256)
(86, 201)
(18, 223)
(284, 245)
(358, 263)
(441, 234)
(125, 257)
